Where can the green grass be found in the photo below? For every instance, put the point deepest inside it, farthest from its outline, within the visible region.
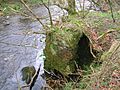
(103, 21)
(84, 81)
(68, 86)
(10, 7)
(98, 20)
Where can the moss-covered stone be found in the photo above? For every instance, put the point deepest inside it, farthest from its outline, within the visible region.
(61, 45)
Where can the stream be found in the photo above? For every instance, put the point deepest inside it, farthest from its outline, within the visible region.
(20, 47)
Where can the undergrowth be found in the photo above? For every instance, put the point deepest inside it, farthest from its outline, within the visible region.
(99, 75)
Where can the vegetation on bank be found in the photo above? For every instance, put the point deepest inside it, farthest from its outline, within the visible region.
(91, 75)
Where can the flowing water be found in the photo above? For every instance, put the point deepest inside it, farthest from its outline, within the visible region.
(20, 47)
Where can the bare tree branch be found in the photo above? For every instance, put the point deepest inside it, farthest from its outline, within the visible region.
(32, 12)
(111, 9)
(50, 16)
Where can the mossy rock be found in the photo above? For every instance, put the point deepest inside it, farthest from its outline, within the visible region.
(27, 73)
(61, 45)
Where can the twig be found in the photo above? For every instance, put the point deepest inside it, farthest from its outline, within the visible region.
(104, 34)
(83, 8)
(115, 45)
(39, 33)
(92, 69)
(52, 74)
(32, 12)
(91, 45)
(16, 11)
(91, 51)
(50, 16)
(111, 10)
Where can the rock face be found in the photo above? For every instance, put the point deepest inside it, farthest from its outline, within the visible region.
(61, 45)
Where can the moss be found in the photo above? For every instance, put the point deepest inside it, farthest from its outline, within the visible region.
(27, 73)
(61, 44)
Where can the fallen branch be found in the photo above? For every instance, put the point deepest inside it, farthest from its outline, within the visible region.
(112, 50)
(104, 34)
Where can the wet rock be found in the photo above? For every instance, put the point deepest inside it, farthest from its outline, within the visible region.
(28, 73)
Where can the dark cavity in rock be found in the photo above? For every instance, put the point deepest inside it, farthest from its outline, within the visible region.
(83, 55)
